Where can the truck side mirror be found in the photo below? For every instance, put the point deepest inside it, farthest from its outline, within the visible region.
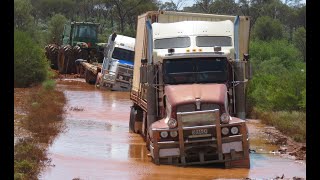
(144, 61)
(113, 37)
(143, 74)
(247, 66)
(246, 57)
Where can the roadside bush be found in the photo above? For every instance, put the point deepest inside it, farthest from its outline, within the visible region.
(285, 52)
(30, 64)
(291, 123)
(49, 84)
(28, 159)
(279, 79)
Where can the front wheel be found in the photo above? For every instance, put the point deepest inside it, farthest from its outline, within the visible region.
(132, 118)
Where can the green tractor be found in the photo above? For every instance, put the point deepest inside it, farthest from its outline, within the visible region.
(79, 41)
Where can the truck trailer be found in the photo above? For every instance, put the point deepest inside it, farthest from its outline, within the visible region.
(188, 91)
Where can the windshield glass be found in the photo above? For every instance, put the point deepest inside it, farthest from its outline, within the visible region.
(123, 54)
(211, 41)
(167, 43)
(87, 31)
(195, 70)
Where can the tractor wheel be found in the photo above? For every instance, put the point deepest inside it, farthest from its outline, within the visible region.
(51, 51)
(61, 62)
(66, 61)
(90, 77)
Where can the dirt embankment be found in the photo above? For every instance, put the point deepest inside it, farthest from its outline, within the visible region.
(287, 147)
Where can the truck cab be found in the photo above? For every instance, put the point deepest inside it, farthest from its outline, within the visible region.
(117, 67)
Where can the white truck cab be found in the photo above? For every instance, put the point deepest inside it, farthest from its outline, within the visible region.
(117, 68)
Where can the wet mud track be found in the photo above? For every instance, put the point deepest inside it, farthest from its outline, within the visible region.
(97, 145)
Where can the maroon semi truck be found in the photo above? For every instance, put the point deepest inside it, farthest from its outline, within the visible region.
(188, 88)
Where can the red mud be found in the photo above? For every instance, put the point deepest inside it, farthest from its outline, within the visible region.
(97, 145)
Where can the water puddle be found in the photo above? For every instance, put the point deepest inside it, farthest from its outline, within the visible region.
(97, 145)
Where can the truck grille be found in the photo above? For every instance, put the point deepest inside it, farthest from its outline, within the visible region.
(192, 107)
(199, 118)
(125, 71)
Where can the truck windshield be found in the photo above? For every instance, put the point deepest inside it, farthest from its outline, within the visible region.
(195, 70)
(123, 54)
(87, 31)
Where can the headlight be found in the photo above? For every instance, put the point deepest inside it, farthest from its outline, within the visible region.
(164, 134)
(225, 131)
(224, 118)
(172, 123)
(174, 134)
(234, 130)
(120, 77)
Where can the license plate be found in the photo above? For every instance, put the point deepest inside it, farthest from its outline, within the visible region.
(199, 131)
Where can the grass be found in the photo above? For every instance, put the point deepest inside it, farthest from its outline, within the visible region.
(45, 121)
(291, 123)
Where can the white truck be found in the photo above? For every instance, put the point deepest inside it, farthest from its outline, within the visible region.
(116, 71)
(188, 89)
(117, 67)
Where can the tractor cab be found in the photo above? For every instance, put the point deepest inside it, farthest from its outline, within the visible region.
(84, 34)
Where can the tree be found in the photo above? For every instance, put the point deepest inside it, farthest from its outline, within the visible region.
(227, 7)
(56, 25)
(22, 14)
(47, 8)
(168, 6)
(299, 40)
(205, 5)
(127, 10)
(267, 29)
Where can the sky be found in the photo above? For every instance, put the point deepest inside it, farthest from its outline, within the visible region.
(191, 2)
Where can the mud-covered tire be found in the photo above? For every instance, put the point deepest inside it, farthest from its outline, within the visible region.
(51, 52)
(90, 77)
(66, 60)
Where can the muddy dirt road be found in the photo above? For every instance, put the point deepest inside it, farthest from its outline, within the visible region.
(97, 145)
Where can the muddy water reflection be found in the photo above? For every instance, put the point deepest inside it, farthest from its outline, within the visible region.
(97, 145)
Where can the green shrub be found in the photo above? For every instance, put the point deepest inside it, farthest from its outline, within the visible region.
(49, 84)
(291, 123)
(30, 64)
(279, 80)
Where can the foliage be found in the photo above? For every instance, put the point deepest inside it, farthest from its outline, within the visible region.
(279, 79)
(49, 84)
(168, 6)
(56, 26)
(22, 14)
(30, 64)
(28, 159)
(267, 29)
(47, 8)
(291, 123)
(299, 40)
